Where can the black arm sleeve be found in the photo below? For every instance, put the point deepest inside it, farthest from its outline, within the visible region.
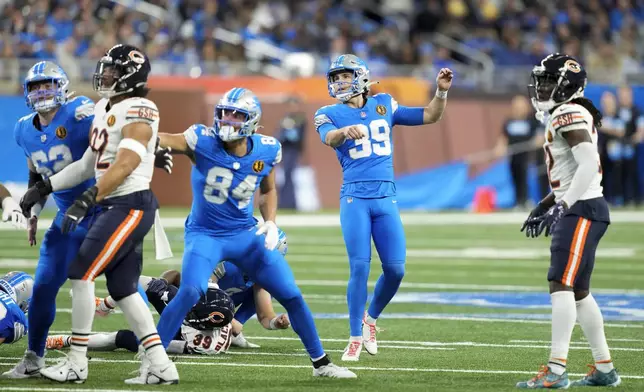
(34, 178)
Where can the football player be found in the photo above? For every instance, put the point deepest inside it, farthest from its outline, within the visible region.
(575, 213)
(15, 294)
(359, 129)
(121, 157)
(200, 332)
(230, 162)
(11, 211)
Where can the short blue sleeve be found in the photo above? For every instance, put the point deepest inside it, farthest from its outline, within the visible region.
(197, 136)
(17, 136)
(405, 115)
(323, 124)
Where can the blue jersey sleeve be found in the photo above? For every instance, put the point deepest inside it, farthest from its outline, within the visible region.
(405, 115)
(17, 135)
(82, 110)
(198, 136)
(323, 124)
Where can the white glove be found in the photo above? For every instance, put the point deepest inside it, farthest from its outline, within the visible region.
(11, 211)
(270, 229)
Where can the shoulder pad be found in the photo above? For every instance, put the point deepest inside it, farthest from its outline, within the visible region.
(28, 117)
(568, 117)
(272, 146)
(83, 107)
(321, 117)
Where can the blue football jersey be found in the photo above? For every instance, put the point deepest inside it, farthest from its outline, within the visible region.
(223, 185)
(367, 164)
(233, 281)
(11, 317)
(58, 144)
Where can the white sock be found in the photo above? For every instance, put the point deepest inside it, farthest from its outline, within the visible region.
(355, 338)
(564, 315)
(592, 323)
(83, 307)
(144, 281)
(176, 347)
(370, 320)
(109, 302)
(140, 319)
(102, 341)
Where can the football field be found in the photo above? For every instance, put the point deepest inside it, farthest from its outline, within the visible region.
(472, 314)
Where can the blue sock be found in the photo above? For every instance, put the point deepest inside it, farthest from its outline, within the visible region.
(357, 294)
(386, 287)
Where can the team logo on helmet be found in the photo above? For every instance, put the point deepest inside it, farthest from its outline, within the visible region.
(381, 110)
(258, 166)
(136, 56)
(216, 317)
(572, 66)
(111, 120)
(61, 132)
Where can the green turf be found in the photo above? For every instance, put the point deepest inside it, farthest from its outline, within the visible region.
(454, 350)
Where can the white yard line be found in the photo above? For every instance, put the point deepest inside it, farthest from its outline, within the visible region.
(32, 388)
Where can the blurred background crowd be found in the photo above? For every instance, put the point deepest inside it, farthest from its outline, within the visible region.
(490, 44)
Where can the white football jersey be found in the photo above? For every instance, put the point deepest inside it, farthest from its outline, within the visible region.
(560, 161)
(107, 134)
(211, 342)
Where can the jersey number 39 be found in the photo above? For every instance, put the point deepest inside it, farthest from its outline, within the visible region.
(376, 142)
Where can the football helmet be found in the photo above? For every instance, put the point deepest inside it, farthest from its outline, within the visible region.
(282, 245)
(556, 80)
(214, 310)
(344, 91)
(46, 100)
(237, 114)
(120, 71)
(19, 286)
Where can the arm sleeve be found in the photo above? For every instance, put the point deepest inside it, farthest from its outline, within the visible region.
(404, 115)
(586, 157)
(323, 125)
(75, 173)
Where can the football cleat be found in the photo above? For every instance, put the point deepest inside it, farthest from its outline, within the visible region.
(29, 366)
(333, 371)
(102, 308)
(596, 378)
(369, 336)
(546, 379)
(66, 370)
(241, 342)
(352, 351)
(165, 374)
(56, 342)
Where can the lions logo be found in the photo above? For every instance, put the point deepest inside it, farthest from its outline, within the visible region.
(61, 132)
(381, 110)
(572, 66)
(216, 317)
(258, 166)
(111, 120)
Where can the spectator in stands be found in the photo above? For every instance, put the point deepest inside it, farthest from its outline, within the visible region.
(634, 134)
(611, 149)
(518, 140)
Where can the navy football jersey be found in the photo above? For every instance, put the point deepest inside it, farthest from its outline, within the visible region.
(11, 317)
(367, 164)
(233, 281)
(223, 185)
(59, 143)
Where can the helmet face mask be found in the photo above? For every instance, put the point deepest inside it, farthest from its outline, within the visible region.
(237, 115)
(347, 77)
(120, 71)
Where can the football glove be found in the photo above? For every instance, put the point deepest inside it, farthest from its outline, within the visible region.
(531, 224)
(552, 217)
(272, 236)
(75, 214)
(40, 190)
(163, 158)
(11, 212)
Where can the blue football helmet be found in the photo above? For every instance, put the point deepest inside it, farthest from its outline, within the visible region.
(344, 91)
(46, 100)
(19, 286)
(282, 246)
(237, 101)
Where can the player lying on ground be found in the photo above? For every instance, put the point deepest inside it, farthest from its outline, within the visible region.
(575, 213)
(231, 162)
(11, 211)
(359, 129)
(121, 158)
(15, 294)
(54, 136)
(200, 333)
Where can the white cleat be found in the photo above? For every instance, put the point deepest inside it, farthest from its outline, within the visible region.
(369, 336)
(352, 351)
(165, 374)
(66, 370)
(29, 366)
(240, 341)
(333, 371)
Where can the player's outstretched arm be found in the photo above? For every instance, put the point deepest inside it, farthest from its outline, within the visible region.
(132, 149)
(434, 111)
(75, 173)
(265, 312)
(177, 143)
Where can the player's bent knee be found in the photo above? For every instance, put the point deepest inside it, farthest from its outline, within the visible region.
(581, 294)
(394, 271)
(189, 293)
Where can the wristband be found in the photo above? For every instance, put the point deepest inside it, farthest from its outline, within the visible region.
(441, 94)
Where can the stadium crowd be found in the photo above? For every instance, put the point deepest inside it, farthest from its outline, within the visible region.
(208, 33)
